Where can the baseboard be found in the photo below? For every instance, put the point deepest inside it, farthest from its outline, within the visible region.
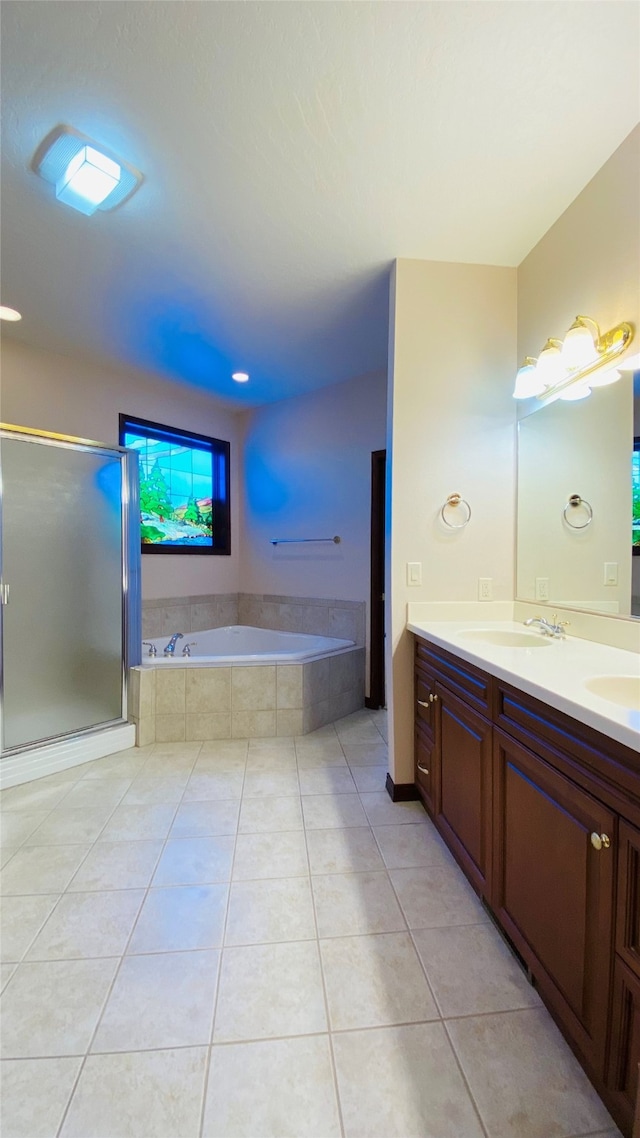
(52, 757)
(401, 791)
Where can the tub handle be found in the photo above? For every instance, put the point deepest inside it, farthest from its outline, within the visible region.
(186, 651)
(153, 651)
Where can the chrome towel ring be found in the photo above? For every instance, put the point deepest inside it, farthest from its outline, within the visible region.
(454, 501)
(574, 502)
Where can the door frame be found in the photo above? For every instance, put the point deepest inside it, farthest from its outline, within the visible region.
(376, 696)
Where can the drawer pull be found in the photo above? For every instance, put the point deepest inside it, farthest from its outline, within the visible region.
(600, 841)
(423, 703)
(423, 770)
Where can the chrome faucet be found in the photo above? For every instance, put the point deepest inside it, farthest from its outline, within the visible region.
(553, 627)
(171, 646)
(153, 651)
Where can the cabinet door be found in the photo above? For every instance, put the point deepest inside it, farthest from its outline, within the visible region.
(463, 741)
(426, 775)
(628, 909)
(425, 686)
(553, 888)
(625, 1043)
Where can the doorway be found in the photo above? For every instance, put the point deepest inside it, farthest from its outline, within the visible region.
(376, 697)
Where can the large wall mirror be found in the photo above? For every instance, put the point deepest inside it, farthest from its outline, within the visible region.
(575, 502)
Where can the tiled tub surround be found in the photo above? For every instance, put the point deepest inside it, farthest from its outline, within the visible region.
(313, 615)
(244, 702)
(249, 939)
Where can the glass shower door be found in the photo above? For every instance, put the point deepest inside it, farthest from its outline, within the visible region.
(62, 573)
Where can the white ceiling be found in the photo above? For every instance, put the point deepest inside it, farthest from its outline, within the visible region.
(291, 151)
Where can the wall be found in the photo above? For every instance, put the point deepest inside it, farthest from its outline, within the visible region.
(56, 393)
(451, 424)
(307, 464)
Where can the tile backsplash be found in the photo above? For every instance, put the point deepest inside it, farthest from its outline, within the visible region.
(314, 615)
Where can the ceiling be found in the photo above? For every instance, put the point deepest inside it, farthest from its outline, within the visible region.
(291, 151)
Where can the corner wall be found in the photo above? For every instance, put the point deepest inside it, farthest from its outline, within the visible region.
(55, 393)
(451, 429)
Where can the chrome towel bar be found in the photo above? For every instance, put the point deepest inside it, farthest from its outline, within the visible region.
(302, 540)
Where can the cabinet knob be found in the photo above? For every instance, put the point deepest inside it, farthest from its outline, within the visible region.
(432, 698)
(423, 770)
(600, 841)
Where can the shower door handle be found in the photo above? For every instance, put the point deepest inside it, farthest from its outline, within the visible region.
(4, 594)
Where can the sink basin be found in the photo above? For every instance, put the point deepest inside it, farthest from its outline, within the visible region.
(505, 638)
(623, 690)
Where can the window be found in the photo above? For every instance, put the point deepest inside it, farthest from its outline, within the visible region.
(184, 488)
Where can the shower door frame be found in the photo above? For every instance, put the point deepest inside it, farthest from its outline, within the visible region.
(131, 613)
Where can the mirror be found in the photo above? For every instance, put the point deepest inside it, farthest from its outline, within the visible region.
(578, 554)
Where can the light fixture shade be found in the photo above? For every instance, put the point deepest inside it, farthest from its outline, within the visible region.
(88, 180)
(550, 367)
(85, 176)
(578, 347)
(575, 392)
(528, 382)
(240, 376)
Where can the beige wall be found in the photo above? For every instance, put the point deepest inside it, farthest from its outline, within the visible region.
(55, 393)
(307, 473)
(451, 425)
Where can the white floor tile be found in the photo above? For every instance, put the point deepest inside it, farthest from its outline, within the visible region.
(35, 1093)
(264, 911)
(52, 1008)
(374, 980)
(181, 917)
(260, 856)
(195, 861)
(270, 990)
(87, 925)
(348, 904)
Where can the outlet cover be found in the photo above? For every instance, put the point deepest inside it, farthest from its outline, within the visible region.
(485, 588)
(542, 588)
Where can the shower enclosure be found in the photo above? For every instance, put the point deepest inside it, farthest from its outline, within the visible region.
(70, 599)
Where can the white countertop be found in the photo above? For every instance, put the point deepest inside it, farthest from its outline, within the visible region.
(555, 674)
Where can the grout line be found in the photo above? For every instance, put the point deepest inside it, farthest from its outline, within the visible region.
(115, 975)
(458, 1063)
(216, 996)
(334, 1069)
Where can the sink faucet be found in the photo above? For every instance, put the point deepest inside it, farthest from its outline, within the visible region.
(553, 627)
(171, 646)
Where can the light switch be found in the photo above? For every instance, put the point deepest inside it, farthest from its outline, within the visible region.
(611, 572)
(414, 572)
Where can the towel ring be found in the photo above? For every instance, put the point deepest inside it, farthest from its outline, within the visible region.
(574, 501)
(455, 500)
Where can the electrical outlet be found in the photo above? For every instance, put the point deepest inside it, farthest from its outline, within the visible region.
(485, 588)
(414, 572)
(542, 588)
(611, 572)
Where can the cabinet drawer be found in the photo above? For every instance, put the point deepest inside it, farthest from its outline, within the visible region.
(628, 915)
(425, 766)
(464, 680)
(425, 700)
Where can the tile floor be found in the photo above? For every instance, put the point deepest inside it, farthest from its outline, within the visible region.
(249, 940)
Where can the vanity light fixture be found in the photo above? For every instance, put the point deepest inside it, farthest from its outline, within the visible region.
(85, 175)
(9, 313)
(240, 376)
(563, 366)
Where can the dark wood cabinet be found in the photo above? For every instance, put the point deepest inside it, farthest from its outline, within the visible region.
(553, 888)
(543, 815)
(463, 814)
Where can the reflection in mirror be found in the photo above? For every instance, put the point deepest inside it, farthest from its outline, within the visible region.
(580, 448)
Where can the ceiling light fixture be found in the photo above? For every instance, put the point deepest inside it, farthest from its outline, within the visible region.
(563, 366)
(240, 376)
(9, 313)
(86, 176)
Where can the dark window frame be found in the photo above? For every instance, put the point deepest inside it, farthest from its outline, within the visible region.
(220, 452)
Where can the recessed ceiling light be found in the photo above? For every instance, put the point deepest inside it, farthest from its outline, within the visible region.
(9, 313)
(85, 176)
(240, 376)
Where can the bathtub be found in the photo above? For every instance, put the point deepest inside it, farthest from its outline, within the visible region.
(242, 645)
(241, 683)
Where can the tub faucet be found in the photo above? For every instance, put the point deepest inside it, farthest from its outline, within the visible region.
(153, 651)
(171, 646)
(553, 627)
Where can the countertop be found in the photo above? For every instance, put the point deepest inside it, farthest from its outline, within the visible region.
(555, 674)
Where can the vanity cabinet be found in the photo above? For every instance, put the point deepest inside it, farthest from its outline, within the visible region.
(543, 815)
